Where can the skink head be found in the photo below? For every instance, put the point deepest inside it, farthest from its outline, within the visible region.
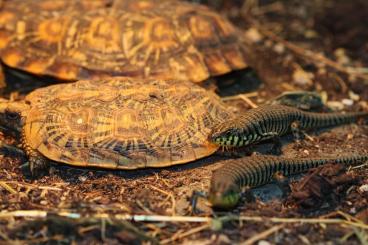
(233, 133)
(223, 194)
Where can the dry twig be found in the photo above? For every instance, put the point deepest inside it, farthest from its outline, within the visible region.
(185, 234)
(143, 207)
(262, 235)
(169, 195)
(191, 219)
(8, 187)
(244, 97)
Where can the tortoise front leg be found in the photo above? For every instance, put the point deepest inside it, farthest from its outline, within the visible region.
(11, 150)
(37, 162)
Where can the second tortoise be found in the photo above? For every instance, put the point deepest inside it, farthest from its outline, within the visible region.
(80, 39)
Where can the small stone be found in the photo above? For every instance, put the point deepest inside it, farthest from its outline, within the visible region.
(302, 78)
(322, 70)
(339, 52)
(363, 188)
(335, 105)
(43, 202)
(363, 104)
(354, 96)
(279, 48)
(306, 152)
(311, 34)
(253, 35)
(268, 43)
(348, 102)
(341, 56)
(82, 178)
(264, 242)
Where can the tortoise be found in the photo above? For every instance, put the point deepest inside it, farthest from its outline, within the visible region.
(115, 123)
(74, 40)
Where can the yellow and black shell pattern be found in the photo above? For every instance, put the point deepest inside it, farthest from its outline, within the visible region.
(84, 39)
(123, 123)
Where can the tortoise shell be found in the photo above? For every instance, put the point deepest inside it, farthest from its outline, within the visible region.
(85, 39)
(123, 123)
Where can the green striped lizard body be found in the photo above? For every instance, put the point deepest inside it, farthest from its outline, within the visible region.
(270, 121)
(228, 181)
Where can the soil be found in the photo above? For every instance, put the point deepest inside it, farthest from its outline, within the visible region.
(334, 29)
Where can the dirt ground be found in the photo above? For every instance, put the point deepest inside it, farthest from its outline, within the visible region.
(316, 45)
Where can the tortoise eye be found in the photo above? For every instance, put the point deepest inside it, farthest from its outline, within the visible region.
(12, 115)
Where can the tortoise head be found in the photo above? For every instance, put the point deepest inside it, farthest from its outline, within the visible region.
(12, 114)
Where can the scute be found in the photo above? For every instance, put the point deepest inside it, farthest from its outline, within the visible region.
(166, 39)
(123, 122)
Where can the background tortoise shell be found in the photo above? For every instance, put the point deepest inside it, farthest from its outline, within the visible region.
(123, 122)
(83, 39)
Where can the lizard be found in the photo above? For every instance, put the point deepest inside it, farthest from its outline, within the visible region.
(235, 175)
(272, 121)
